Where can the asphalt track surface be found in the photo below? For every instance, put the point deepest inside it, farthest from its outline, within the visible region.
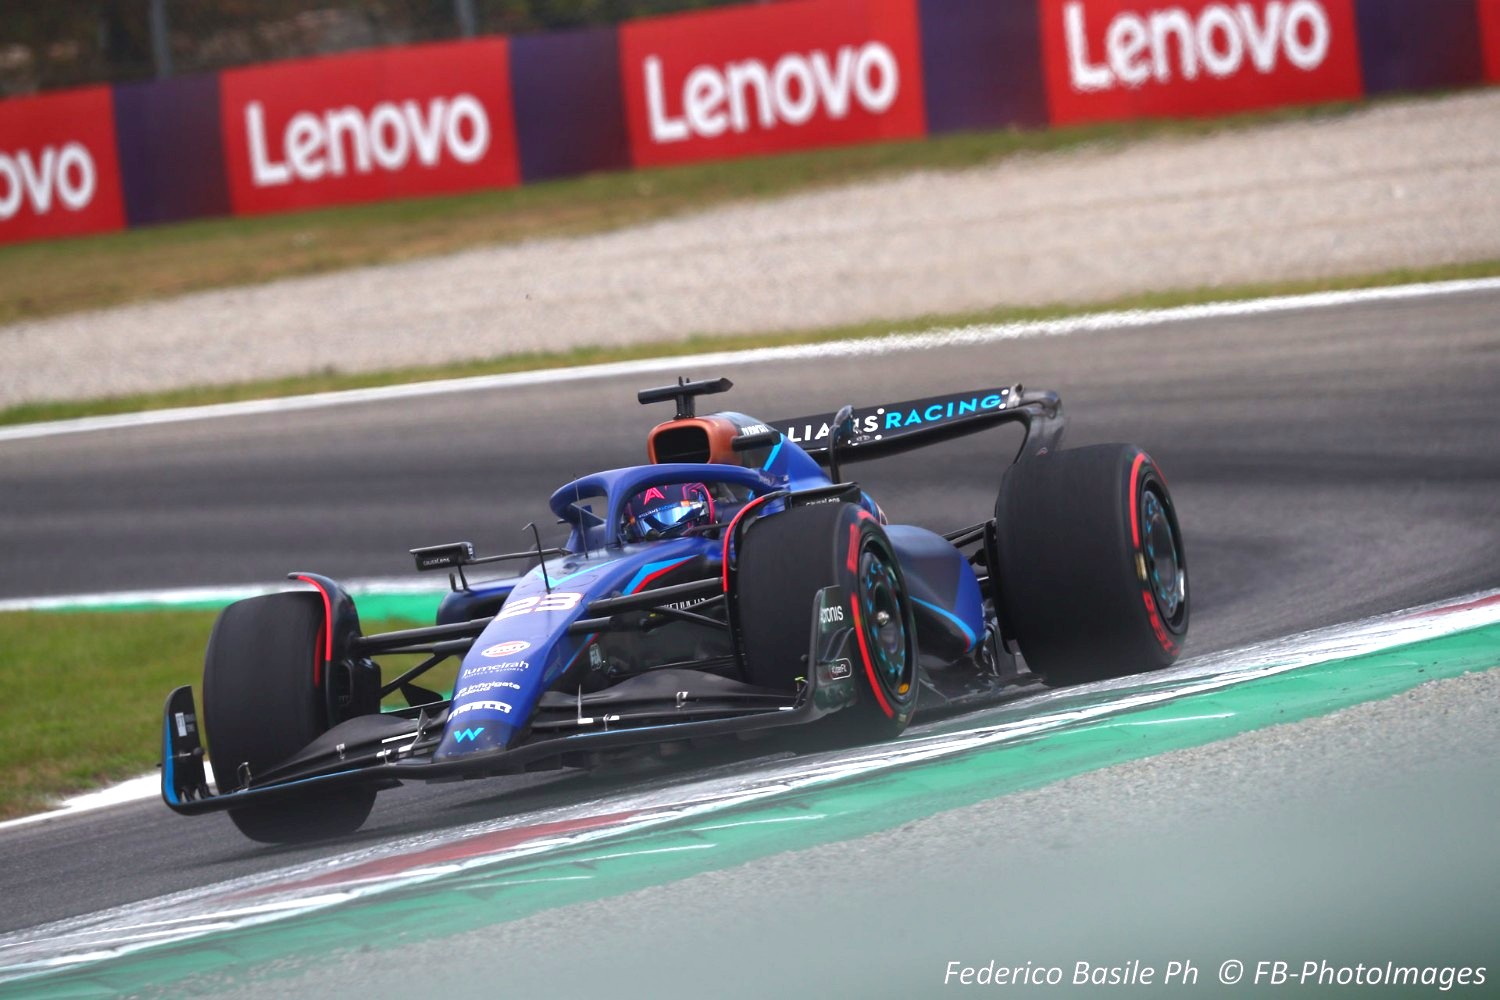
(1327, 465)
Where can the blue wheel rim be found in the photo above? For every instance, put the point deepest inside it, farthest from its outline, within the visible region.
(1161, 549)
(883, 619)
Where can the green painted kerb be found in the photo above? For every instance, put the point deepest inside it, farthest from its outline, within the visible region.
(825, 814)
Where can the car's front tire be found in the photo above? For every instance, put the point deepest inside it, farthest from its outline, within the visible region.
(784, 560)
(263, 701)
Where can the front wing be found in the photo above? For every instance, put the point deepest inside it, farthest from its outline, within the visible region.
(388, 749)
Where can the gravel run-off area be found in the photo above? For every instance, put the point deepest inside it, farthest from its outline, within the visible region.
(1398, 184)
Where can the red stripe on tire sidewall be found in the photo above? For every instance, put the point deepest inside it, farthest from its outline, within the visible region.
(1158, 627)
(1153, 616)
(1135, 519)
(864, 652)
(327, 633)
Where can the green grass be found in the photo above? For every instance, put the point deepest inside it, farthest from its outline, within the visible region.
(60, 276)
(333, 381)
(87, 689)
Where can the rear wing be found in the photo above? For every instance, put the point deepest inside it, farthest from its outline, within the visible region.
(893, 428)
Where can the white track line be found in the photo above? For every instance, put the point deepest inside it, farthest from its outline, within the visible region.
(963, 336)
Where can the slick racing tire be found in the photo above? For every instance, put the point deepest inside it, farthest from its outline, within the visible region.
(1092, 579)
(262, 702)
(784, 560)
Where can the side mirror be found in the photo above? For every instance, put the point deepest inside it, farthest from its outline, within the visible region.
(443, 556)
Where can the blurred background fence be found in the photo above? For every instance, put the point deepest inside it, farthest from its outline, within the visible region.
(49, 44)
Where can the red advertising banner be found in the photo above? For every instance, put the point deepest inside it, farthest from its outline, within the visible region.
(766, 79)
(59, 172)
(1114, 59)
(1489, 38)
(430, 119)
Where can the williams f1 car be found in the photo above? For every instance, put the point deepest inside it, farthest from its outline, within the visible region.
(736, 584)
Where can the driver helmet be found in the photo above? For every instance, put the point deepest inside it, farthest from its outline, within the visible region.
(666, 511)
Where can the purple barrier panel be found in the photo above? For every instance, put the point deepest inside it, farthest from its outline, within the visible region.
(1418, 44)
(171, 151)
(570, 113)
(982, 65)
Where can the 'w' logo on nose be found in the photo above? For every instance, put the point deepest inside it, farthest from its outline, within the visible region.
(469, 734)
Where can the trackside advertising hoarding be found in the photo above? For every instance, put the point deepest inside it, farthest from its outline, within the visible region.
(1117, 59)
(766, 79)
(748, 80)
(429, 119)
(1489, 33)
(59, 174)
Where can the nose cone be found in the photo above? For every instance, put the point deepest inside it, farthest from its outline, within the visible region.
(476, 731)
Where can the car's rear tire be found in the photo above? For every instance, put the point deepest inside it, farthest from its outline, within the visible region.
(784, 560)
(262, 702)
(1092, 580)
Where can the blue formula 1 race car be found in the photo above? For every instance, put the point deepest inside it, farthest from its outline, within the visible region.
(736, 584)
